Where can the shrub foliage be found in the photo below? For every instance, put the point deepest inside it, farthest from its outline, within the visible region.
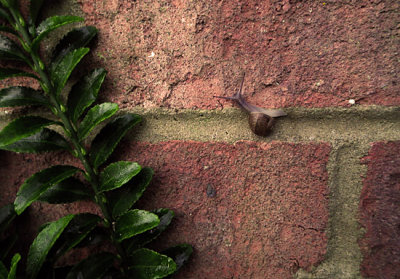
(114, 187)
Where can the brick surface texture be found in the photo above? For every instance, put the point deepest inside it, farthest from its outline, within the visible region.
(379, 212)
(250, 210)
(179, 53)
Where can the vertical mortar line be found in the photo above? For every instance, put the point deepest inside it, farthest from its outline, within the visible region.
(345, 187)
(343, 256)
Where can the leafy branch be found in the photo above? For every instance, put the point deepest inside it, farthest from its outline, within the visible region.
(115, 187)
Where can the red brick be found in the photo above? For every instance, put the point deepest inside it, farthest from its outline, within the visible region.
(295, 53)
(266, 218)
(251, 210)
(379, 212)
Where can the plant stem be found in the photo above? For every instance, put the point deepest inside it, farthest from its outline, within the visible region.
(69, 128)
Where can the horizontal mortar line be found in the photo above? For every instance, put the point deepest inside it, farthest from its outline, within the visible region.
(355, 124)
(363, 124)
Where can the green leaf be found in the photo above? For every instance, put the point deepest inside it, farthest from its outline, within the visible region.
(67, 191)
(9, 73)
(135, 222)
(92, 267)
(21, 96)
(108, 138)
(76, 38)
(43, 141)
(124, 198)
(22, 127)
(34, 9)
(38, 183)
(10, 50)
(180, 254)
(50, 24)
(84, 93)
(8, 30)
(96, 115)
(61, 72)
(7, 214)
(148, 264)
(75, 232)
(43, 243)
(165, 216)
(117, 174)
(3, 271)
(13, 269)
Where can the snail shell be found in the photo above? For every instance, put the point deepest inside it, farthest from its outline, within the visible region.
(261, 120)
(260, 123)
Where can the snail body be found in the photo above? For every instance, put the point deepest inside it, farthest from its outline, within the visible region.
(261, 120)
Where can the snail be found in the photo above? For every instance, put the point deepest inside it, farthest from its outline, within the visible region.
(261, 120)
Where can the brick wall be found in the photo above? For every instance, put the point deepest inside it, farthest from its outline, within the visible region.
(319, 197)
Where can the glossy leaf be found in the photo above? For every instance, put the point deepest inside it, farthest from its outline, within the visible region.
(34, 9)
(180, 254)
(38, 183)
(76, 38)
(21, 96)
(43, 226)
(139, 241)
(43, 141)
(50, 24)
(43, 243)
(3, 271)
(135, 222)
(75, 232)
(10, 50)
(68, 190)
(117, 174)
(84, 93)
(7, 29)
(148, 264)
(13, 269)
(21, 128)
(9, 73)
(7, 214)
(124, 198)
(96, 115)
(93, 267)
(108, 138)
(61, 72)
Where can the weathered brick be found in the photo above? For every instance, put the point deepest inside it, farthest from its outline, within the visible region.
(179, 54)
(250, 210)
(379, 212)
